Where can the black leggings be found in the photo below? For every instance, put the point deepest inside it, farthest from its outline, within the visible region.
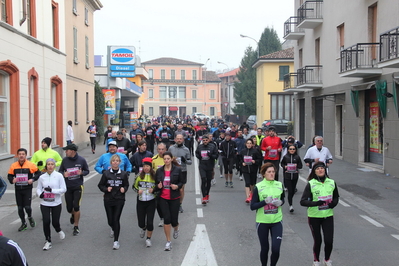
(250, 179)
(327, 224)
(146, 209)
(93, 143)
(159, 210)
(276, 232)
(73, 198)
(113, 210)
(290, 184)
(23, 198)
(228, 164)
(206, 178)
(170, 211)
(55, 213)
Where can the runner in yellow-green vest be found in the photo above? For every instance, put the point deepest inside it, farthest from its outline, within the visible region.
(40, 157)
(321, 196)
(267, 198)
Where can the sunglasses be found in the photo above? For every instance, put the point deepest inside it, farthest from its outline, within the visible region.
(292, 149)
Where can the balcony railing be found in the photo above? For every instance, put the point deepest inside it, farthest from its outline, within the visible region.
(361, 55)
(310, 10)
(291, 31)
(310, 75)
(290, 80)
(389, 44)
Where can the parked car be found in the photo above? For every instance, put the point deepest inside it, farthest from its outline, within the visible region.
(281, 125)
(200, 116)
(251, 120)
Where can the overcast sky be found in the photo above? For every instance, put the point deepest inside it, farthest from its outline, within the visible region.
(188, 30)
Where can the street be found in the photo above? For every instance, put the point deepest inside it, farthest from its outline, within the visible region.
(221, 233)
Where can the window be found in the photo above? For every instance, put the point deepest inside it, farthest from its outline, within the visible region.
(212, 94)
(172, 74)
(162, 92)
(86, 16)
(33, 98)
(75, 100)
(162, 73)
(6, 11)
(182, 74)
(87, 107)
(151, 93)
(221, 93)
(87, 52)
(194, 94)
(194, 109)
(3, 11)
(74, 7)
(341, 36)
(56, 37)
(182, 92)
(282, 71)
(151, 111)
(281, 106)
(75, 45)
(194, 74)
(212, 111)
(151, 73)
(317, 51)
(4, 88)
(162, 110)
(172, 92)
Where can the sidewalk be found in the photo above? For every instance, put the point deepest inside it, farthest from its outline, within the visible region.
(375, 193)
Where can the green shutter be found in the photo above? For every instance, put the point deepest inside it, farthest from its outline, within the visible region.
(355, 101)
(381, 89)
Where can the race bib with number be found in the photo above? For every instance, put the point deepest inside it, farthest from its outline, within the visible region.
(48, 196)
(164, 135)
(248, 160)
(291, 168)
(326, 199)
(149, 132)
(204, 155)
(121, 149)
(273, 153)
(22, 179)
(73, 173)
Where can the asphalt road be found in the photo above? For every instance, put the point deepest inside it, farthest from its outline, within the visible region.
(221, 233)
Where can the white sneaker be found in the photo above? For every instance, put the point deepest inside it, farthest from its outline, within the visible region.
(241, 179)
(47, 245)
(148, 243)
(168, 246)
(316, 263)
(328, 263)
(213, 182)
(176, 233)
(142, 233)
(291, 209)
(160, 223)
(61, 234)
(260, 176)
(221, 176)
(111, 234)
(116, 245)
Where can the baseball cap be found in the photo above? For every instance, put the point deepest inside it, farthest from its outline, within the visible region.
(71, 147)
(113, 143)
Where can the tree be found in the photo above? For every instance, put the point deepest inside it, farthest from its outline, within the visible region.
(99, 108)
(245, 88)
(269, 42)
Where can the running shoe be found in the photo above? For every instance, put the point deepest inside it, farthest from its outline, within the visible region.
(116, 245)
(231, 184)
(22, 227)
(207, 198)
(327, 263)
(213, 182)
(247, 200)
(291, 209)
(226, 184)
(31, 222)
(316, 263)
(111, 234)
(47, 245)
(176, 233)
(260, 176)
(285, 190)
(142, 233)
(76, 231)
(148, 243)
(72, 219)
(168, 246)
(204, 201)
(61, 234)
(221, 176)
(181, 209)
(160, 223)
(241, 179)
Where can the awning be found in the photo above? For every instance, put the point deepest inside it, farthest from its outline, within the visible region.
(173, 108)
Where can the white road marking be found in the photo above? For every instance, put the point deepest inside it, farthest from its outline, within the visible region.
(198, 201)
(200, 213)
(396, 236)
(87, 178)
(374, 222)
(200, 251)
(343, 203)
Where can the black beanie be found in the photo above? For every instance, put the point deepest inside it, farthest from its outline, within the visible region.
(47, 140)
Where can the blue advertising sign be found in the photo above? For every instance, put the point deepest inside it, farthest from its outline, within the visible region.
(122, 74)
(122, 55)
(123, 67)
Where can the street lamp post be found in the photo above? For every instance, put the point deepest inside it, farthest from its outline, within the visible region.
(244, 36)
(228, 89)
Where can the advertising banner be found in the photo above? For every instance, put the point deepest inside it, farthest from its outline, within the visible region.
(109, 100)
(374, 127)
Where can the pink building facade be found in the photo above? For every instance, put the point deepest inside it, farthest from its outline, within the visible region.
(178, 88)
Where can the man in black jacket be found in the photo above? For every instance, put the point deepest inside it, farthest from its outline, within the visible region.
(229, 154)
(206, 153)
(73, 168)
(124, 145)
(11, 253)
(137, 159)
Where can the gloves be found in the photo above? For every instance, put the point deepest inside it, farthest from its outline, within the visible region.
(40, 163)
(320, 202)
(331, 205)
(48, 189)
(277, 203)
(268, 199)
(42, 195)
(183, 159)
